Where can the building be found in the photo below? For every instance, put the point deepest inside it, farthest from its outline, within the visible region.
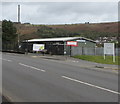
(58, 46)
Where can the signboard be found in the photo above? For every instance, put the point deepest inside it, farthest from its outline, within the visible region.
(38, 47)
(109, 49)
(72, 43)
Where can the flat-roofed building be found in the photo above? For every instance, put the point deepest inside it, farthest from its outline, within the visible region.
(58, 46)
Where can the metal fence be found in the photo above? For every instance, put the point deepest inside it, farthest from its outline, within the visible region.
(9, 46)
(91, 51)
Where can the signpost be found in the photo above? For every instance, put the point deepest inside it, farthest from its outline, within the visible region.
(109, 48)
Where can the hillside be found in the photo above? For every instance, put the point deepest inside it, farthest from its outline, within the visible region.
(28, 31)
(100, 27)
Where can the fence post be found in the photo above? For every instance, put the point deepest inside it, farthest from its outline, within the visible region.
(70, 50)
(82, 51)
(95, 50)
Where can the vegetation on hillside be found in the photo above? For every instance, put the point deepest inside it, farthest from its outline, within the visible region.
(48, 32)
(98, 29)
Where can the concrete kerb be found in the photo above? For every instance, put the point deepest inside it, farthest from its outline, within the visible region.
(105, 68)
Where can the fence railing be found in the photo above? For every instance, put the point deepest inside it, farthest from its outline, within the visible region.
(9, 46)
(91, 51)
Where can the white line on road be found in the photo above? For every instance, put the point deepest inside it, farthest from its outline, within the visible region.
(32, 67)
(75, 61)
(5, 59)
(88, 84)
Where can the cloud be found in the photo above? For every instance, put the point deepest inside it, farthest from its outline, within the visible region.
(61, 12)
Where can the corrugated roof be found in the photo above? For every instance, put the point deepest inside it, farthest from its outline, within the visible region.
(58, 39)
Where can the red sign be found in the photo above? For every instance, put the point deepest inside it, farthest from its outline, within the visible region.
(72, 43)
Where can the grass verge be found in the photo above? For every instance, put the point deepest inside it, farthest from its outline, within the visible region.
(99, 59)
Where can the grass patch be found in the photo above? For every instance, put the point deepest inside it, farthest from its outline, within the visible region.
(99, 59)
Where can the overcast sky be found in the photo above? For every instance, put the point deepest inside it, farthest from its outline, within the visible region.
(61, 12)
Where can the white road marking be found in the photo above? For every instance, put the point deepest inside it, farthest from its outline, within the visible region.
(32, 67)
(5, 60)
(49, 60)
(89, 84)
(75, 61)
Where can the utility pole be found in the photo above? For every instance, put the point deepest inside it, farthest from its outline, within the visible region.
(18, 22)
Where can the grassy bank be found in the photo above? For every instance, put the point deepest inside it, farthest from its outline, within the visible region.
(99, 59)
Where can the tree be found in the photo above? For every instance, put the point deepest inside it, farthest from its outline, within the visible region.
(8, 31)
(8, 34)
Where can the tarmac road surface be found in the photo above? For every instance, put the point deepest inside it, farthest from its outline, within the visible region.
(35, 79)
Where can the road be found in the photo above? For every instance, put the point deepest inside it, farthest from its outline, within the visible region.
(35, 79)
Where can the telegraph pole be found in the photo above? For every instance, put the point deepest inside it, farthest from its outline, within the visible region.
(18, 22)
